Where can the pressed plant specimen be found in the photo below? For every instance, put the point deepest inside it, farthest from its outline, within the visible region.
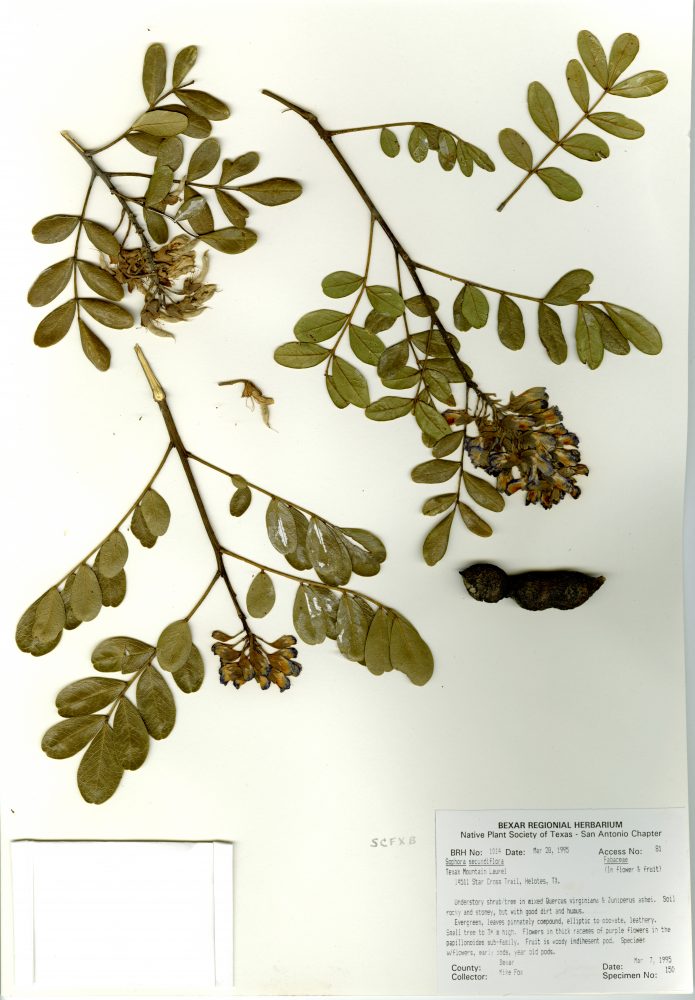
(98, 712)
(523, 444)
(137, 251)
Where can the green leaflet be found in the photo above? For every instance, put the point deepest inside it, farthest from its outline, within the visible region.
(377, 655)
(107, 313)
(623, 52)
(473, 521)
(409, 653)
(510, 324)
(154, 72)
(89, 695)
(588, 338)
(350, 383)
(516, 149)
(183, 64)
(388, 140)
(54, 228)
(203, 159)
(328, 553)
(308, 616)
(365, 345)
(50, 283)
(617, 124)
(275, 191)
(93, 348)
(190, 676)
(593, 56)
(560, 184)
(240, 502)
(639, 331)
(320, 324)
(430, 420)
(587, 147)
(385, 300)
(542, 110)
(483, 492)
(578, 83)
(55, 325)
(641, 85)
(300, 355)
(388, 408)
(203, 104)
(100, 771)
(85, 597)
(353, 621)
(174, 645)
(100, 281)
(438, 504)
(102, 238)
(155, 703)
(161, 123)
(437, 470)
(338, 284)
(437, 540)
(121, 653)
(68, 737)
(551, 335)
(261, 595)
(281, 527)
(569, 287)
(131, 739)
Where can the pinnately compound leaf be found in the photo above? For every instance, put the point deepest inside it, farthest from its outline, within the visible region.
(561, 184)
(261, 595)
(100, 771)
(174, 645)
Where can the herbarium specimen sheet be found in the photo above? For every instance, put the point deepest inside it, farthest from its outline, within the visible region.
(440, 319)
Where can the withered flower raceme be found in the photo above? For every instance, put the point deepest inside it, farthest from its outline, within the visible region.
(244, 659)
(173, 287)
(526, 447)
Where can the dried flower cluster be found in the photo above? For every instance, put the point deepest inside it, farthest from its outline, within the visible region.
(244, 659)
(527, 447)
(172, 285)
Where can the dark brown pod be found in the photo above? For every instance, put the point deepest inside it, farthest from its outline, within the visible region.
(486, 582)
(536, 590)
